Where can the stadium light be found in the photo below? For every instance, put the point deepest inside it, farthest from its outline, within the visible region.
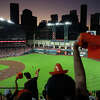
(68, 23)
(66, 26)
(9, 21)
(50, 24)
(59, 24)
(2, 19)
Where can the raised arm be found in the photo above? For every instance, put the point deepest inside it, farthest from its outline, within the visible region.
(37, 73)
(80, 77)
(16, 84)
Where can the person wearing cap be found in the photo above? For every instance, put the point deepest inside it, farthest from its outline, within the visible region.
(31, 83)
(62, 87)
(30, 87)
(15, 94)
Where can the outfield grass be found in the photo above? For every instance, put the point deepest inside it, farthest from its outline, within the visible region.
(2, 67)
(46, 64)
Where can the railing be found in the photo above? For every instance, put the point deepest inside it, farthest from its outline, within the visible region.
(12, 89)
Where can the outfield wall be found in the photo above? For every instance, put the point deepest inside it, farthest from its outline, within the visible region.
(52, 46)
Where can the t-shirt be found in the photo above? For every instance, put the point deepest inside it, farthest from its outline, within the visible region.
(31, 85)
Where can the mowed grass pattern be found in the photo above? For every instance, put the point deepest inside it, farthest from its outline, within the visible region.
(46, 64)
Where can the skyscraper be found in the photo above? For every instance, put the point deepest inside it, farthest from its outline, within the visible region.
(73, 16)
(26, 17)
(83, 15)
(54, 18)
(14, 12)
(95, 22)
(66, 18)
(29, 23)
(95, 19)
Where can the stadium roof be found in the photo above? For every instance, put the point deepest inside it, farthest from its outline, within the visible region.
(11, 31)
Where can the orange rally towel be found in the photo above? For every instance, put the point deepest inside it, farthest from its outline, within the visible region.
(92, 43)
(19, 75)
(91, 40)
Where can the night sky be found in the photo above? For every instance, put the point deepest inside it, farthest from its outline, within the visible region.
(44, 8)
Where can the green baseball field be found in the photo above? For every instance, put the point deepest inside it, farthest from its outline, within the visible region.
(46, 64)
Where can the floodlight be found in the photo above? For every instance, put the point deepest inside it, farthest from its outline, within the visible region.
(9, 21)
(50, 24)
(59, 24)
(2, 19)
(68, 23)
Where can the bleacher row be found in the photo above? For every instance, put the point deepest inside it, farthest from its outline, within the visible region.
(16, 51)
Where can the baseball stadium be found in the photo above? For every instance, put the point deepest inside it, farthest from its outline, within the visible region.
(16, 56)
(52, 57)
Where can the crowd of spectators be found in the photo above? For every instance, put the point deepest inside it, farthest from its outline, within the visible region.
(60, 86)
(13, 51)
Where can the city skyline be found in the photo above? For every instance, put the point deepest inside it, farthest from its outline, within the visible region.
(44, 8)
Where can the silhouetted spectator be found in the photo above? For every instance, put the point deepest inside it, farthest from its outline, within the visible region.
(16, 92)
(60, 86)
(97, 95)
(31, 83)
(63, 87)
(30, 87)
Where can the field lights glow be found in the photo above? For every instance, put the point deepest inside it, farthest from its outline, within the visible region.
(68, 23)
(9, 21)
(2, 19)
(57, 24)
